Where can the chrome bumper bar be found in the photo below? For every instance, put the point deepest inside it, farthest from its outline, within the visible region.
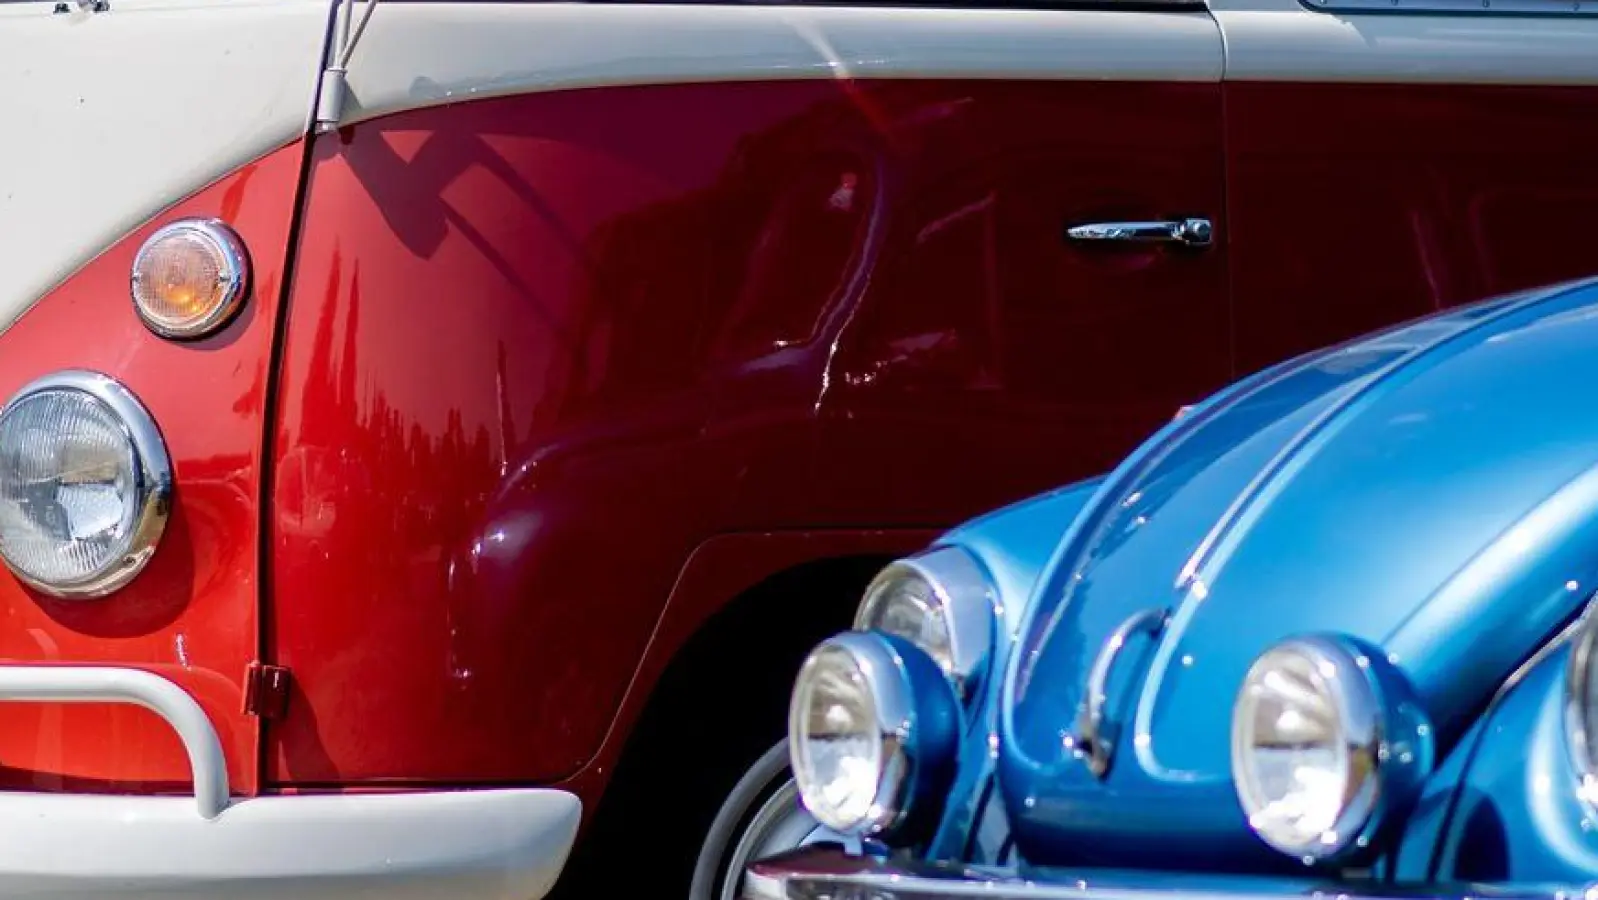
(814, 873)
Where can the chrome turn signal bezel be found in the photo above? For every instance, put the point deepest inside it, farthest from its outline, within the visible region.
(233, 264)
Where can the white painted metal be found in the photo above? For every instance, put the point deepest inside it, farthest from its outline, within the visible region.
(420, 54)
(490, 844)
(466, 845)
(106, 118)
(1285, 40)
(73, 684)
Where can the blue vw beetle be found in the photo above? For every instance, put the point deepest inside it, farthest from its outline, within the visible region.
(1325, 633)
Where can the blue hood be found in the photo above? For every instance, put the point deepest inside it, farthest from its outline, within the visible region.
(1430, 489)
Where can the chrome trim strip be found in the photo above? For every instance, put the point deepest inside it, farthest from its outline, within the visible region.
(812, 873)
(1427, 339)
(135, 687)
(1540, 8)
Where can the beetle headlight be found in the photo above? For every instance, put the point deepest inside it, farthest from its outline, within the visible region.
(942, 602)
(871, 731)
(1581, 718)
(84, 485)
(1325, 740)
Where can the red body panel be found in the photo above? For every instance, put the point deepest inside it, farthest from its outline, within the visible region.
(1357, 205)
(191, 615)
(542, 348)
(718, 572)
(564, 373)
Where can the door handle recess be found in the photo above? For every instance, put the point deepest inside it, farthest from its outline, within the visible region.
(1188, 232)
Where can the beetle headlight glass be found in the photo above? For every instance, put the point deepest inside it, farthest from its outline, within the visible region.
(871, 730)
(941, 601)
(1325, 739)
(84, 485)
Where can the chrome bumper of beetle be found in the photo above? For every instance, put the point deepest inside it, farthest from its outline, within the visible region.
(814, 873)
(466, 845)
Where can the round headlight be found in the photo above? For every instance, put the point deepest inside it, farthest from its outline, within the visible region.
(942, 602)
(871, 728)
(84, 485)
(1325, 737)
(189, 278)
(1581, 692)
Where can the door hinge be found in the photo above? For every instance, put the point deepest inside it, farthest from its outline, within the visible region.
(266, 690)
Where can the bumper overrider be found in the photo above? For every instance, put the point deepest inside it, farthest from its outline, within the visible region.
(828, 873)
(465, 845)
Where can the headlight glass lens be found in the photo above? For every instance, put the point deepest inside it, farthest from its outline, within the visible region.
(76, 487)
(836, 744)
(942, 602)
(1304, 750)
(904, 603)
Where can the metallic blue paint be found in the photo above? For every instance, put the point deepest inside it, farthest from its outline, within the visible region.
(1013, 544)
(1429, 492)
(936, 728)
(1518, 815)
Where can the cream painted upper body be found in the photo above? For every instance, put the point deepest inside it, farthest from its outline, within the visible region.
(107, 118)
(129, 110)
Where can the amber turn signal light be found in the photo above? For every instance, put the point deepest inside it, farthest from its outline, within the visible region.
(190, 277)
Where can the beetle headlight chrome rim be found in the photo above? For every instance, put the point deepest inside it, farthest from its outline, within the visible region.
(1581, 719)
(872, 728)
(943, 602)
(85, 485)
(1327, 740)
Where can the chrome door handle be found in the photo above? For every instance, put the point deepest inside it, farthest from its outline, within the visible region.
(1095, 736)
(1189, 232)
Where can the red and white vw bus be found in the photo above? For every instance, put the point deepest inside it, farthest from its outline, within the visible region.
(417, 411)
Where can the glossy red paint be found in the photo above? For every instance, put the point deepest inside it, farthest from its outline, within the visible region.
(541, 348)
(191, 615)
(1353, 206)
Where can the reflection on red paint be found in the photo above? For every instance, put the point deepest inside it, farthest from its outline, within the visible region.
(541, 348)
(1394, 200)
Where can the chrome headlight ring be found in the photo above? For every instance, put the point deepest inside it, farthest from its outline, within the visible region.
(872, 733)
(1327, 741)
(943, 602)
(85, 485)
(1581, 692)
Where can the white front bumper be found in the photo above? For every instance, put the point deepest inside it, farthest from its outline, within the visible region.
(459, 845)
(466, 845)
